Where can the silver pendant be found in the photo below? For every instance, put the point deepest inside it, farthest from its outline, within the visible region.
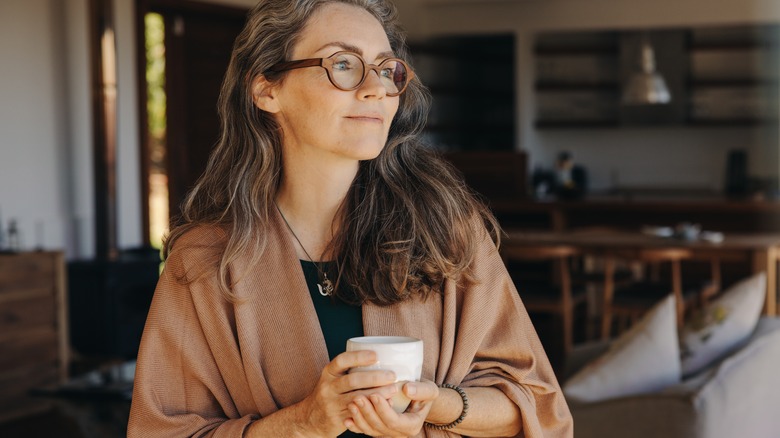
(327, 290)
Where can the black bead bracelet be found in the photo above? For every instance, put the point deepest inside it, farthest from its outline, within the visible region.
(463, 413)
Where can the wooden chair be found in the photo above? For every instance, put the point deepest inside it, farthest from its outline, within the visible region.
(589, 274)
(633, 299)
(554, 295)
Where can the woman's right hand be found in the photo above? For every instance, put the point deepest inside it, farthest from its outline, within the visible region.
(325, 409)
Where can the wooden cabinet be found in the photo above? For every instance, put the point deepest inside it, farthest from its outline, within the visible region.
(718, 76)
(733, 75)
(577, 79)
(472, 84)
(33, 328)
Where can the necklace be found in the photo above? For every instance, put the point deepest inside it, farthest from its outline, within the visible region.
(325, 285)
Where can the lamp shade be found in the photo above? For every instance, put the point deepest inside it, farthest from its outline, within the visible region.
(647, 86)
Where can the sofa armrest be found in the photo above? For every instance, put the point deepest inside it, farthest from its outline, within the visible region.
(736, 396)
(668, 415)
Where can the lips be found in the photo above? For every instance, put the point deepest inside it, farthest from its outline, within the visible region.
(367, 117)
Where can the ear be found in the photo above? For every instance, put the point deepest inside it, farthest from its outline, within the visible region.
(264, 95)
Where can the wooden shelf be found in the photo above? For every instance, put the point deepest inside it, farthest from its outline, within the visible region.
(732, 83)
(578, 43)
(730, 123)
(559, 86)
(508, 95)
(576, 124)
(557, 51)
(472, 89)
(737, 45)
(462, 127)
(724, 75)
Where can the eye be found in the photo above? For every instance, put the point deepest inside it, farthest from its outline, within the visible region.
(390, 68)
(388, 73)
(344, 63)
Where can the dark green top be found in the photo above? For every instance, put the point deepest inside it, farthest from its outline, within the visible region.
(339, 321)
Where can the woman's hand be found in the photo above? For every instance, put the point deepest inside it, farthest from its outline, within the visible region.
(326, 408)
(373, 415)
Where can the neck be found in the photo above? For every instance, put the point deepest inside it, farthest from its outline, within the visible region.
(309, 197)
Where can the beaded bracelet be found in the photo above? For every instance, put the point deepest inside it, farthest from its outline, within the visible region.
(463, 413)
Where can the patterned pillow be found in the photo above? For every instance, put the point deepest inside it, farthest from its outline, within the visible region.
(723, 325)
(643, 359)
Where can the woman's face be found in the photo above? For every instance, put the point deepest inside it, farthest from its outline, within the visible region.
(318, 118)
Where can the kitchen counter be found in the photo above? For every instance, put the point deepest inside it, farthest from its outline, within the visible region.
(631, 211)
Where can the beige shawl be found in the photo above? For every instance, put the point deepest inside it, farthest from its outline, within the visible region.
(207, 367)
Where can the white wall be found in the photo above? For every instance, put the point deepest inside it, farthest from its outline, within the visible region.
(46, 169)
(80, 238)
(45, 110)
(658, 157)
(129, 198)
(34, 125)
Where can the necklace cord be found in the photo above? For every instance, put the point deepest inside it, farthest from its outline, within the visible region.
(325, 285)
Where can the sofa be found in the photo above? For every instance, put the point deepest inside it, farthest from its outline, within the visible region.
(737, 396)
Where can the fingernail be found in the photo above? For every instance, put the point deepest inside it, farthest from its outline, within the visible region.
(390, 375)
(411, 389)
(359, 402)
(375, 398)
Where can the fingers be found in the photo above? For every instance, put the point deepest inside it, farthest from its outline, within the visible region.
(423, 391)
(350, 359)
(373, 415)
(364, 380)
(337, 380)
(361, 410)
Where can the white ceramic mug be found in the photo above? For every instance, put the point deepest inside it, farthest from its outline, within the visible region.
(399, 354)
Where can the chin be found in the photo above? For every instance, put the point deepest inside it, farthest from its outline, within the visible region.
(365, 151)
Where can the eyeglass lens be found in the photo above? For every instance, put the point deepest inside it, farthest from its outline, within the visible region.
(347, 71)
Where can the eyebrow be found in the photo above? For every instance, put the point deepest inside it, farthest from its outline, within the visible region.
(353, 48)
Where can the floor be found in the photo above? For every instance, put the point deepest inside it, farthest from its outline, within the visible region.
(74, 418)
(46, 424)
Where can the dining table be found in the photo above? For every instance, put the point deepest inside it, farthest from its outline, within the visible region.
(761, 250)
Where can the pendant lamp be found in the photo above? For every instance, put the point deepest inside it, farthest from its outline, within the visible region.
(646, 86)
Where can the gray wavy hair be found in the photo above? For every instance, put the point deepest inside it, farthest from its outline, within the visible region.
(385, 230)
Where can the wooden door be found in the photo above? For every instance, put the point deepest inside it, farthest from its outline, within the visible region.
(198, 44)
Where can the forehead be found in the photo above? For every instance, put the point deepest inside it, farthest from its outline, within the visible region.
(340, 22)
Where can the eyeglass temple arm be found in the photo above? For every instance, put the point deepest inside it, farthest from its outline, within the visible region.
(290, 65)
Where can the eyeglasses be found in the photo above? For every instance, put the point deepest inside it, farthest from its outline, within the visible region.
(347, 71)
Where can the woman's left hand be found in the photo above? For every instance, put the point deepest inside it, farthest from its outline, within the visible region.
(375, 416)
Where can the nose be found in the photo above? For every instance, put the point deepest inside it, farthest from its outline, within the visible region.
(372, 87)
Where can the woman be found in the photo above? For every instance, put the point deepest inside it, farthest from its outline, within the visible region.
(321, 217)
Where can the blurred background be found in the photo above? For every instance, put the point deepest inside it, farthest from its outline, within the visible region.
(562, 114)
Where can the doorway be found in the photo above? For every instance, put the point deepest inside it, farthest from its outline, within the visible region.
(186, 48)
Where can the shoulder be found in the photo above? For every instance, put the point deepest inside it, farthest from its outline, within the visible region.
(200, 247)
(207, 249)
(487, 234)
(202, 236)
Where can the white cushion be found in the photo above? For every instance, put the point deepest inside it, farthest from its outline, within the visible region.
(643, 359)
(723, 325)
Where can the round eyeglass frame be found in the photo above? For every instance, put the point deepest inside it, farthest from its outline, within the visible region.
(327, 64)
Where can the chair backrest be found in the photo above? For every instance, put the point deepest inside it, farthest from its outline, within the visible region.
(655, 257)
(663, 254)
(559, 258)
